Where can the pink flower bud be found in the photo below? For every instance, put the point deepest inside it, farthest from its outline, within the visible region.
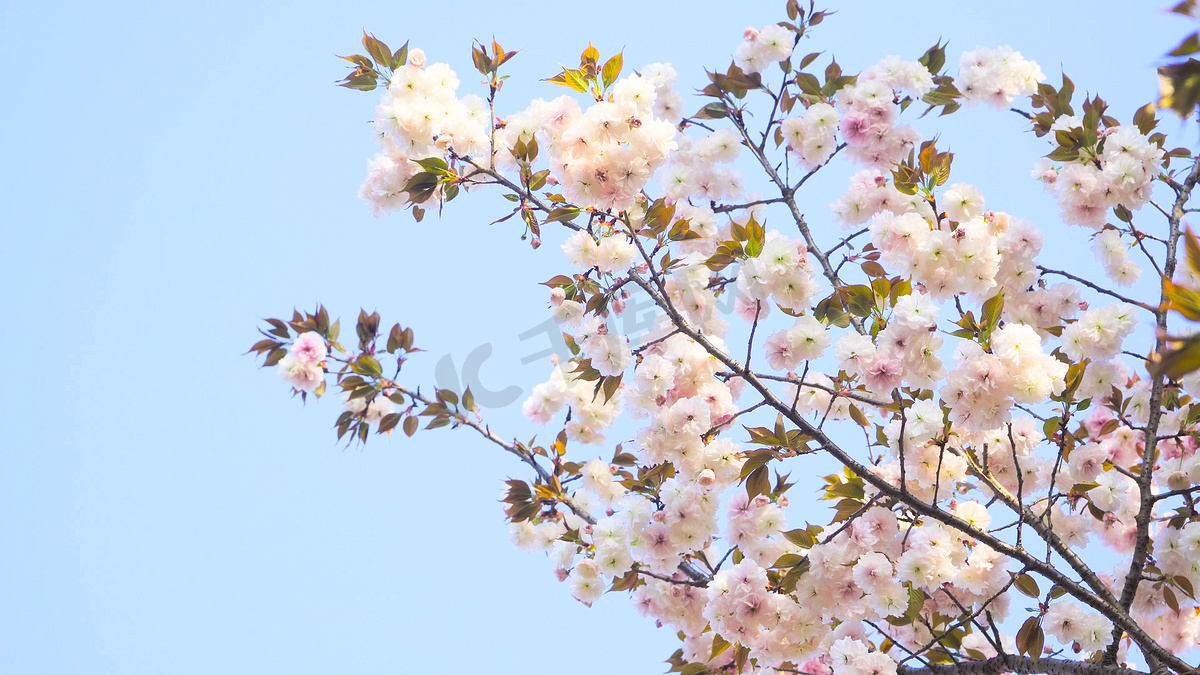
(658, 516)
(561, 574)
(536, 243)
(617, 305)
(443, 142)
(750, 35)
(761, 501)
(557, 296)
(706, 477)
(416, 58)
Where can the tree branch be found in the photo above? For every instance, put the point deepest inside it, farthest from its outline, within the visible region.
(1020, 665)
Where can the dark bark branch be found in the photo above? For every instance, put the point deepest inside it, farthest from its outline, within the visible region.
(1141, 547)
(1020, 665)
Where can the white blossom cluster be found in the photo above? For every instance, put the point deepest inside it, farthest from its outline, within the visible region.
(1119, 170)
(603, 156)
(420, 117)
(996, 76)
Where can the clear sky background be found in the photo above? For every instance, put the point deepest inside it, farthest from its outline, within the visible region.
(170, 173)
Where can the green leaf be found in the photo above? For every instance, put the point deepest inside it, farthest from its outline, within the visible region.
(482, 63)
(1190, 45)
(367, 366)
(756, 460)
(1030, 638)
(388, 423)
(562, 214)
(758, 482)
(934, 58)
(1144, 119)
(275, 357)
(1027, 585)
(801, 538)
(992, 308)
(719, 645)
(378, 50)
(1181, 361)
(808, 83)
(612, 70)
(1193, 250)
(1182, 299)
(576, 80)
(400, 56)
(1063, 154)
(859, 299)
(712, 111)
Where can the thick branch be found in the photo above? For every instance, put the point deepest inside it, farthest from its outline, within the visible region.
(1141, 547)
(1020, 665)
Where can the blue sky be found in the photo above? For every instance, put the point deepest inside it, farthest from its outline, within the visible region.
(173, 172)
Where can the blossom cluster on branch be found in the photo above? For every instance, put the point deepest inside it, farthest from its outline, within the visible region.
(998, 441)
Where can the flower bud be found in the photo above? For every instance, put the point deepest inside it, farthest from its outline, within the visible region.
(706, 477)
(557, 296)
(416, 58)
